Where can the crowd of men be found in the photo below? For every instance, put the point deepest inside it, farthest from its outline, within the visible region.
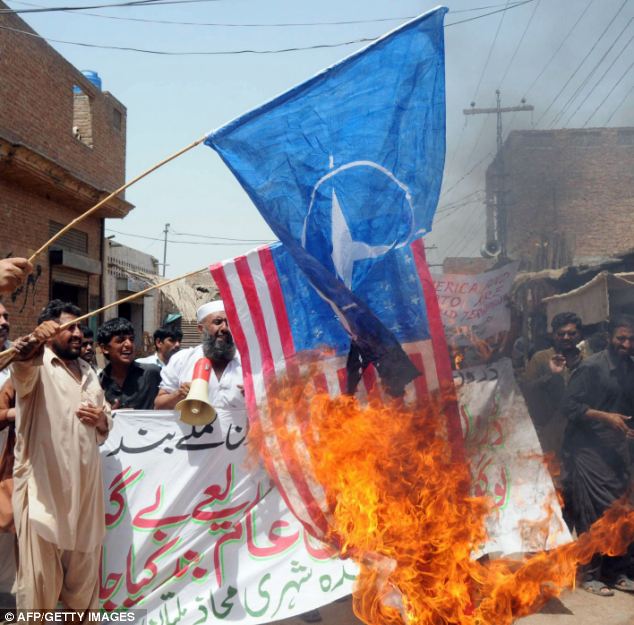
(582, 406)
(57, 407)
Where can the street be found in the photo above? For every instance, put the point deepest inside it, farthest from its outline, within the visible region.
(574, 608)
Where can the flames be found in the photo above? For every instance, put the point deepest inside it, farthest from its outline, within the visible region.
(401, 506)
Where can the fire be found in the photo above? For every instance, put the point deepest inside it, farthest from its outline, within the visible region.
(401, 507)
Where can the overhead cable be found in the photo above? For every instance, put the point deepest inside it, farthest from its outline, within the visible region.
(619, 105)
(609, 93)
(519, 43)
(574, 73)
(455, 184)
(601, 78)
(223, 243)
(585, 81)
(556, 52)
(128, 3)
(236, 52)
(266, 25)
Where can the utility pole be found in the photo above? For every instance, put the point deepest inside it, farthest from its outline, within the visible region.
(497, 245)
(167, 227)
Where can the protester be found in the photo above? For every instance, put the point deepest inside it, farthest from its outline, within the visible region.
(547, 374)
(225, 387)
(5, 327)
(126, 383)
(62, 417)
(7, 444)
(13, 272)
(226, 392)
(167, 341)
(87, 352)
(599, 404)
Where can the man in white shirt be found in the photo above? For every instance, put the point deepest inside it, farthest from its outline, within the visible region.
(167, 341)
(226, 393)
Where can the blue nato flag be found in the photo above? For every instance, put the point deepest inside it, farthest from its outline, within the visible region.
(346, 169)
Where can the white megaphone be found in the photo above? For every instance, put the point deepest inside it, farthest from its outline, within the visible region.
(195, 409)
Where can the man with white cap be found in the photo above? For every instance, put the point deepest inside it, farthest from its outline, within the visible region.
(225, 386)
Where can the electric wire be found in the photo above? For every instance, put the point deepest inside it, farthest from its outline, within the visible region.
(601, 78)
(270, 25)
(477, 90)
(239, 52)
(128, 3)
(222, 243)
(207, 236)
(585, 81)
(465, 176)
(574, 73)
(519, 43)
(460, 246)
(443, 208)
(486, 62)
(457, 209)
(619, 105)
(456, 243)
(556, 52)
(608, 94)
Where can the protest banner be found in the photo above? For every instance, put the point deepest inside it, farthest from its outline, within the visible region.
(475, 313)
(506, 462)
(500, 441)
(196, 531)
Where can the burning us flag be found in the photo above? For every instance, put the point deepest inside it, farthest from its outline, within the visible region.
(285, 332)
(346, 169)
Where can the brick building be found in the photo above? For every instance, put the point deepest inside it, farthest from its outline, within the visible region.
(566, 196)
(62, 149)
(129, 271)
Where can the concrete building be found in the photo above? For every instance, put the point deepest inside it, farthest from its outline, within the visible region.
(129, 271)
(565, 197)
(62, 149)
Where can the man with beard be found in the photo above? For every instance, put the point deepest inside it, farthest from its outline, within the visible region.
(62, 418)
(547, 374)
(599, 404)
(126, 383)
(226, 392)
(225, 386)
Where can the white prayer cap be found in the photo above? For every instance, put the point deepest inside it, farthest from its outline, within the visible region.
(209, 308)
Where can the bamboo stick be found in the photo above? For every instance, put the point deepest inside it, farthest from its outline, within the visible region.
(99, 204)
(9, 354)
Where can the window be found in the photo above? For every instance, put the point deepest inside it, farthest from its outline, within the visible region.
(82, 116)
(74, 240)
(117, 118)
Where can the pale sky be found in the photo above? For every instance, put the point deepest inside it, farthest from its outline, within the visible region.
(535, 51)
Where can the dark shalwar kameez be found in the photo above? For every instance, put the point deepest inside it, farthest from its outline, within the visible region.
(597, 455)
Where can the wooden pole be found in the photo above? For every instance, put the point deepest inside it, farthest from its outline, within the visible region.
(8, 355)
(90, 211)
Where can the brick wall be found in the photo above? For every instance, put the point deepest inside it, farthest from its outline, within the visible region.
(25, 222)
(40, 109)
(569, 195)
(36, 92)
